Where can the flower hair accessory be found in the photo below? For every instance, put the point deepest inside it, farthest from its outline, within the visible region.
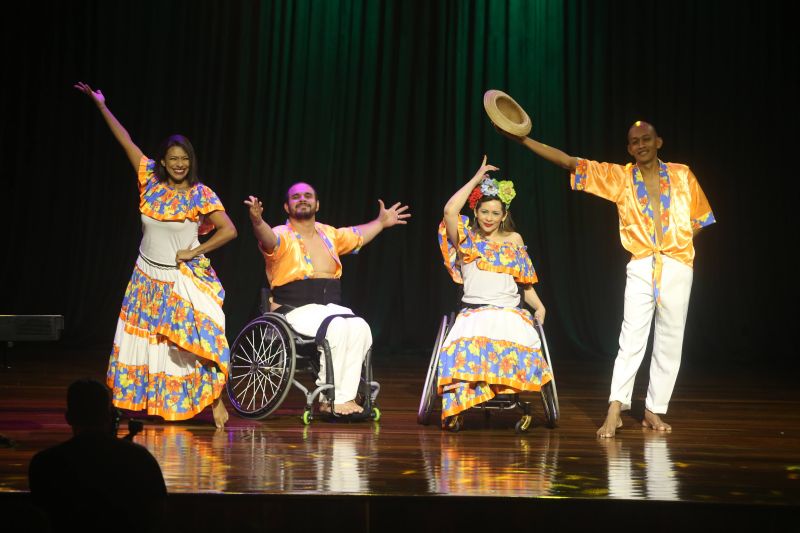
(504, 190)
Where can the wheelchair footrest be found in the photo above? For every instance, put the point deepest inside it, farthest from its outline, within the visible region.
(505, 398)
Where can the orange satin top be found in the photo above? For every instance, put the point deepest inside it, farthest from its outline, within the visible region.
(290, 261)
(684, 206)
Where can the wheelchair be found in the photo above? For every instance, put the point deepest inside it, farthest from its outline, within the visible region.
(264, 359)
(500, 402)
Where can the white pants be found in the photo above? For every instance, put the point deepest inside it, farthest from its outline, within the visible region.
(349, 340)
(625, 477)
(341, 460)
(640, 304)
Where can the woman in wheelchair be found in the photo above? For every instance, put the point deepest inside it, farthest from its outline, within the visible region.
(493, 347)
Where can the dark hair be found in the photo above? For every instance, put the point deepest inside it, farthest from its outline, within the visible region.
(88, 403)
(183, 142)
(506, 225)
(286, 195)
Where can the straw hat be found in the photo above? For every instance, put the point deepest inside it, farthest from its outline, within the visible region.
(506, 114)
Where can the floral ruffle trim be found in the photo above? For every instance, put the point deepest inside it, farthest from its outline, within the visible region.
(204, 278)
(170, 397)
(521, 275)
(477, 375)
(503, 258)
(194, 331)
(488, 392)
(161, 202)
(703, 221)
(577, 179)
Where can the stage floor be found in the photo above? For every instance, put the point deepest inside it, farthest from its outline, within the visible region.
(735, 441)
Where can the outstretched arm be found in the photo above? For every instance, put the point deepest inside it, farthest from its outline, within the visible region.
(264, 234)
(225, 232)
(554, 155)
(452, 209)
(386, 219)
(120, 133)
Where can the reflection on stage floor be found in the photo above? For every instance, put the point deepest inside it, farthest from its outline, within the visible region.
(731, 444)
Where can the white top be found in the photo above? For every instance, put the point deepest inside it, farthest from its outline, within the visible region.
(488, 288)
(161, 240)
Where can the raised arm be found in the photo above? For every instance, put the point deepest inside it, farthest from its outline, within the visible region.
(386, 219)
(264, 234)
(554, 155)
(225, 232)
(453, 207)
(120, 133)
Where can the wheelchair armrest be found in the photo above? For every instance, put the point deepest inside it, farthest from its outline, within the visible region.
(263, 300)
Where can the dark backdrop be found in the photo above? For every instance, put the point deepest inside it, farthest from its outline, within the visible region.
(369, 99)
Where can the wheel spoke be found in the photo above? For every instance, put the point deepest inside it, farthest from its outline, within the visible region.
(250, 341)
(262, 385)
(259, 367)
(242, 398)
(268, 351)
(259, 354)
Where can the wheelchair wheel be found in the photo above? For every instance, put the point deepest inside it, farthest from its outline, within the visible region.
(523, 424)
(549, 391)
(454, 423)
(261, 367)
(429, 387)
(550, 404)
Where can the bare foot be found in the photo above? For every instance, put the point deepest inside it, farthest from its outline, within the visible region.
(220, 413)
(613, 447)
(612, 423)
(346, 408)
(653, 421)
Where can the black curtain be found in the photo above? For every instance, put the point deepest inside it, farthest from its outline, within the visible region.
(383, 99)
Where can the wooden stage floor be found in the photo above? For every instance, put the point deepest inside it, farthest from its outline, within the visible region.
(734, 454)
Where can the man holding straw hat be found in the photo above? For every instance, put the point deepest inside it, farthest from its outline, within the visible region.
(661, 208)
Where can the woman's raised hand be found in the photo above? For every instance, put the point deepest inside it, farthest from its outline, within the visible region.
(96, 96)
(484, 169)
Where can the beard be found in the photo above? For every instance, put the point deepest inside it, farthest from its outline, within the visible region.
(306, 214)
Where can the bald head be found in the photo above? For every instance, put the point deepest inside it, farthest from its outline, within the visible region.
(643, 142)
(640, 127)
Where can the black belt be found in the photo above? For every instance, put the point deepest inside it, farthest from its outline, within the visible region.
(467, 305)
(158, 265)
(321, 291)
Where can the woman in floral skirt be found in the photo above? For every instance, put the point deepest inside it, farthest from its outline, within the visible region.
(492, 347)
(170, 354)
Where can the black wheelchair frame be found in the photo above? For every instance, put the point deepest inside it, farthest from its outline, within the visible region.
(263, 362)
(500, 402)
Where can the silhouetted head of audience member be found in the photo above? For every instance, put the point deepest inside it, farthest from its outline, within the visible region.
(88, 482)
(89, 408)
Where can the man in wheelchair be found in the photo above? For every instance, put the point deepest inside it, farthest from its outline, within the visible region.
(304, 271)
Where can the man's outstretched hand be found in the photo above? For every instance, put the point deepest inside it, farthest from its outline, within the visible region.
(393, 215)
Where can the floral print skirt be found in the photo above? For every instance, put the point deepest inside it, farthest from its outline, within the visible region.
(489, 350)
(170, 354)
